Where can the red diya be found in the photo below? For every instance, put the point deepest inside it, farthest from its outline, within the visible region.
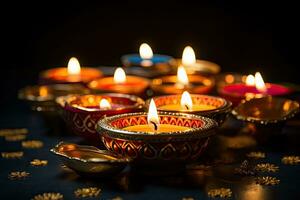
(81, 112)
(253, 88)
(157, 136)
(120, 83)
(176, 84)
(71, 74)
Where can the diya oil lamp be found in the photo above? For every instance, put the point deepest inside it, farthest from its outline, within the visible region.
(157, 136)
(254, 87)
(81, 112)
(120, 83)
(176, 84)
(71, 74)
(195, 66)
(266, 116)
(89, 160)
(148, 64)
(209, 106)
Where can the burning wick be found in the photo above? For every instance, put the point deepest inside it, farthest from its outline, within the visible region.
(152, 116)
(186, 101)
(155, 125)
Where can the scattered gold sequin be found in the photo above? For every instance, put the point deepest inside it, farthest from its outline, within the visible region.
(267, 180)
(48, 196)
(14, 138)
(9, 132)
(117, 198)
(188, 198)
(37, 162)
(32, 144)
(256, 155)
(87, 192)
(18, 175)
(290, 160)
(266, 167)
(220, 192)
(16, 154)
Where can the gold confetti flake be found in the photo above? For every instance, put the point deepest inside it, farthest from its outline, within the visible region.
(291, 160)
(267, 180)
(18, 175)
(32, 144)
(16, 154)
(37, 162)
(256, 155)
(220, 192)
(87, 192)
(48, 196)
(14, 138)
(266, 167)
(9, 132)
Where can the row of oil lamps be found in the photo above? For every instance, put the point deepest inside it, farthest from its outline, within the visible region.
(180, 118)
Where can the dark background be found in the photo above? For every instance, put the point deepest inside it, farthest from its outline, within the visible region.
(244, 37)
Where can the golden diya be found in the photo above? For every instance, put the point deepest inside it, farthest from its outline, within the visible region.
(157, 136)
(147, 64)
(196, 66)
(73, 73)
(120, 83)
(210, 106)
(176, 84)
(81, 112)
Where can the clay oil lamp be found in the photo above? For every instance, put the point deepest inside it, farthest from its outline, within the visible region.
(147, 64)
(89, 160)
(254, 87)
(209, 106)
(81, 112)
(161, 137)
(120, 83)
(176, 84)
(73, 73)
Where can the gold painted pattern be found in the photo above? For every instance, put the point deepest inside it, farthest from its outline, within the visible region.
(37, 162)
(16, 154)
(266, 167)
(267, 180)
(87, 192)
(291, 160)
(48, 196)
(220, 192)
(9, 132)
(18, 175)
(14, 138)
(256, 155)
(32, 144)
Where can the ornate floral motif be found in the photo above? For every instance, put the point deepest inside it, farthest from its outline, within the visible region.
(9, 132)
(256, 155)
(18, 175)
(266, 167)
(48, 196)
(245, 169)
(14, 138)
(32, 144)
(291, 160)
(87, 192)
(17, 154)
(37, 162)
(267, 180)
(220, 192)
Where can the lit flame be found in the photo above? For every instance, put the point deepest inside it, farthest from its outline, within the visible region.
(146, 51)
(186, 101)
(250, 80)
(73, 66)
(182, 77)
(43, 91)
(104, 104)
(188, 56)
(119, 76)
(259, 82)
(152, 116)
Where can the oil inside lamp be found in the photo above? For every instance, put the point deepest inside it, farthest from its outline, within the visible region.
(188, 56)
(104, 104)
(182, 78)
(119, 76)
(73, 66)
(146, 54)
(186, 101)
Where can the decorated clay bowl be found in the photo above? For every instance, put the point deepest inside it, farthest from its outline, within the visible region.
(81, 112)
(179, 146)
(219, 113)
(89, 160)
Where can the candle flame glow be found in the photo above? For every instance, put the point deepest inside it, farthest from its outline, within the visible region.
(146, 51)
(152, 116)
(43, 91)
(119, 76)
(259, 82)
(104, 104)
(73, 66)
(188, 56)
(186, 101)
(182, 77)
(250, 80)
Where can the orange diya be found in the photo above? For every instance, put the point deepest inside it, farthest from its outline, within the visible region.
(71, 74)
(120, 83)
